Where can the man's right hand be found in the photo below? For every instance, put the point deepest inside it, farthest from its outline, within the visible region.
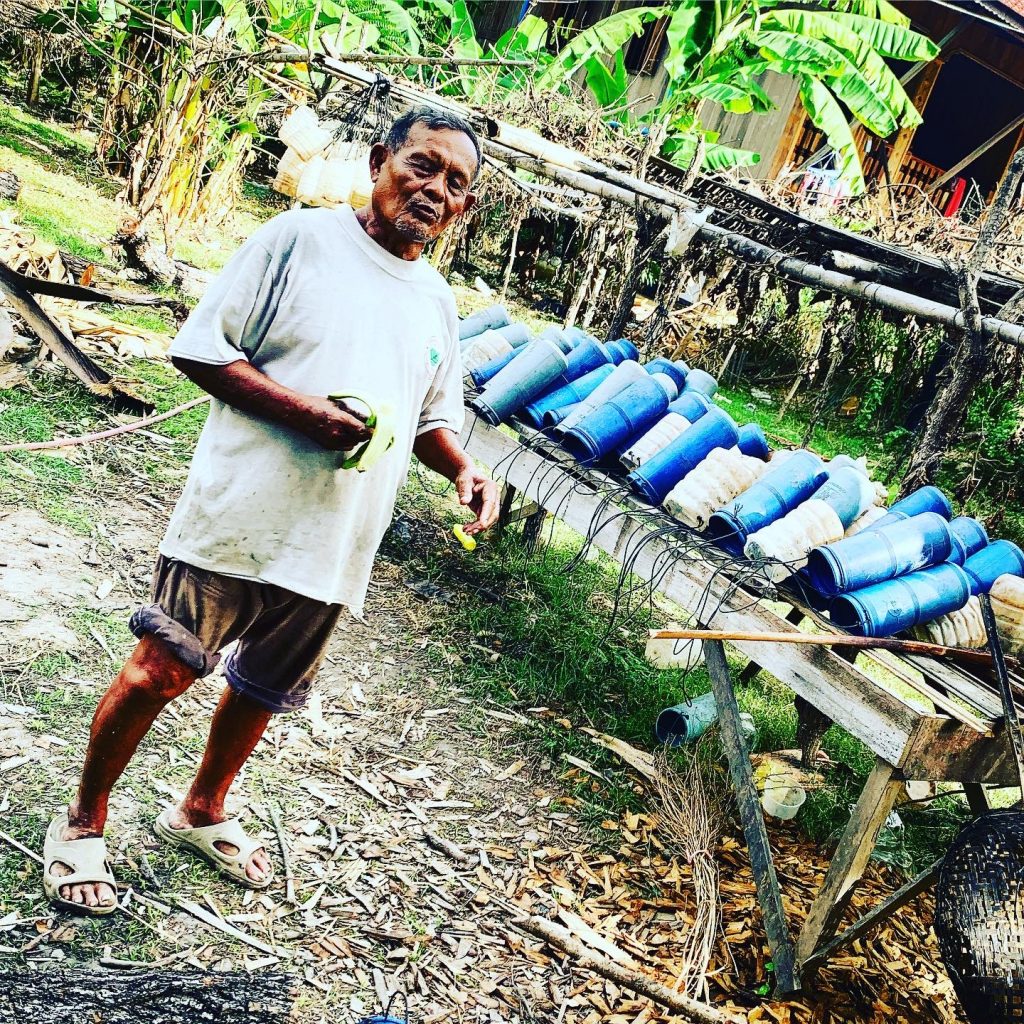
(333, 427)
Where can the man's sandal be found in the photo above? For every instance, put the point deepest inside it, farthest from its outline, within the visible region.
(87, 859)
(203, 840)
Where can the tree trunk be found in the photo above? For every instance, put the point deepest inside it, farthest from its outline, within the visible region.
(596, 246)
(145, 997)
(35, 69)
(947, 413)
(648, 229)
(972, 359)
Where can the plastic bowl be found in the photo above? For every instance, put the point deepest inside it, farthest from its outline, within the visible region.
(783, 800)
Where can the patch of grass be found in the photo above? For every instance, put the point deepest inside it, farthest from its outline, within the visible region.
(144, 317)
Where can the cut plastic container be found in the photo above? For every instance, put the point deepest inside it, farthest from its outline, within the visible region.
(969, 537)
(702, 382)
(656, 477)
(666, 430)
(964, 627)
(484, 348)
(785, 485)
(724, 474)
(662, 365)
(480, 375)
(992, 561)
(530, 374)
(783, 800)
(489, 319)
(896, 605)
(289, 173)
(517, 335)
(924, 499)
(751, 439)
(625, 348)
(536, 412)
(1007, 597)
(626, 373)
(691, 405)
(301, 131)
(616, 422)
(880, 553)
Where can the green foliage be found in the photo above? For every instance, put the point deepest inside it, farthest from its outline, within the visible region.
(720, 51)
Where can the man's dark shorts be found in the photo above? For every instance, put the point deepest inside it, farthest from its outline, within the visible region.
(282, 636)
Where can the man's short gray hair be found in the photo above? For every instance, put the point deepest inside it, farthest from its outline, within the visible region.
(436, 120)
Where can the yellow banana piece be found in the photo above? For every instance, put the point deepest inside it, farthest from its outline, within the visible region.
(468, 541)
(381, 421)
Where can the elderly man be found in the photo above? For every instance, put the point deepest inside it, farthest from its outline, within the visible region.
(271, 538)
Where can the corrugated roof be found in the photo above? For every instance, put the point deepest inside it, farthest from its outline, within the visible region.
(1009, 12)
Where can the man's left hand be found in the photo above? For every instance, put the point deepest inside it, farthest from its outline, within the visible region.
(480, 494)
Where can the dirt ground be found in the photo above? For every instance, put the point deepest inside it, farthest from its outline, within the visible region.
(391, 755)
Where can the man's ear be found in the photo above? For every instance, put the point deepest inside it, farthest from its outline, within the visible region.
(378, 154)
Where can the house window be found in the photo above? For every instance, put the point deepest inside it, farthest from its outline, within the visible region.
(645, 51)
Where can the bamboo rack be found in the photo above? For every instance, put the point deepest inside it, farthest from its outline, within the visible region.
(519, 148)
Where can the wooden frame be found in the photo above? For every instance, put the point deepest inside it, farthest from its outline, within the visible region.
(908, 742)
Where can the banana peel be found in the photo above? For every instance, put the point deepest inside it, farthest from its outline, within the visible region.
(381, 421)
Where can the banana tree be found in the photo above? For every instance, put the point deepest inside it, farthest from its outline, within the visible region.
(720, 51)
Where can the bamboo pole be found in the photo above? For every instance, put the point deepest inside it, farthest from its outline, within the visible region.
(295, 55)
(830, 640)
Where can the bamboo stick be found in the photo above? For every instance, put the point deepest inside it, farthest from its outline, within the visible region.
(830, 640)
(589, 959)
(295, 55)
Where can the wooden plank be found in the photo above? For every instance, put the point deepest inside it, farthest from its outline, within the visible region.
(900, 898)
(959, 683)
(881, 720)
(765, 879)
(858, 840)
(977, 798)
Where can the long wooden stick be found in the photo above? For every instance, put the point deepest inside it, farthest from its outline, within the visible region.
(830, 640)
(562, 938)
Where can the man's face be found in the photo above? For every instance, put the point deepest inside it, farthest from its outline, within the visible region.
(422, 187)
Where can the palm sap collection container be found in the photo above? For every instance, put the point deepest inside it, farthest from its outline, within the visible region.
(656, 477)
(666, 430)
(1007, 597)
(484, 348)
(488, 319)
(820, 520)
(615, 422)
(661, 365)
(779, 491)
(702, 382)
(984, 567)
(724, 474)
(687, 408)
(531, 373)
(899, 604)
(627, 372)
(880, 553)
(537, 411)
(924, 499)
(964, 627)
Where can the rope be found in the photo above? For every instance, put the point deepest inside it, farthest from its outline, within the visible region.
(66, 442)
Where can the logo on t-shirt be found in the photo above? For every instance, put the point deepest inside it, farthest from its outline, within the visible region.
(435, 356)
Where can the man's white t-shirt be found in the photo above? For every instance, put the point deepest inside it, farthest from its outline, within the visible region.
(314, 303)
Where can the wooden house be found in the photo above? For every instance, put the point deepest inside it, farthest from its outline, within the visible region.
(971, 96)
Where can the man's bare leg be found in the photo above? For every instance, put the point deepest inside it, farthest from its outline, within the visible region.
(151, 678)
(238, 723)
